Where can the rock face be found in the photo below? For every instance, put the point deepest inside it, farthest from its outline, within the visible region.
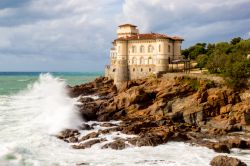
(226, 161)
(164, 109)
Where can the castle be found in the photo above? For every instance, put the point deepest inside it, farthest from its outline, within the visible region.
(136, 55)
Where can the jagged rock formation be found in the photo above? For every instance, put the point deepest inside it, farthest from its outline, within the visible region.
(164, 109)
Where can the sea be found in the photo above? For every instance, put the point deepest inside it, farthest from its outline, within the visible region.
(35, 106)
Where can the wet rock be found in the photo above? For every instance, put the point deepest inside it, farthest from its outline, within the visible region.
(108, 125)
(226, 161)
(81, 164)
(88, 144)
(86, 126)
(238, 143)
(180, 137)
(109, 130)
(89, 136)
(67, 133)
(73, 139)
(221, 148)
(88, 110)
(117, 145)
(150, 139)
(86, 99)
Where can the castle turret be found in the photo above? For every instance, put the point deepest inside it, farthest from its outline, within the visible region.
(177, 49)
(121, 73)
(127, 30)
(162, 58)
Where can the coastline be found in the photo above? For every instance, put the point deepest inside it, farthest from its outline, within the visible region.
(185, 109)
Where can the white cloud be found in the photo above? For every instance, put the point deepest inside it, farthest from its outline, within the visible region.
(77, 34)
(195, 20)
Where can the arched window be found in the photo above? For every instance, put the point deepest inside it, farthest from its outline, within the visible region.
(141, 60)
(142, 49)
(150, 48)
(134, 60)
(133, 49)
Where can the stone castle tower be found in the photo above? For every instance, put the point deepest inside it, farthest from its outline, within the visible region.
(136, 55)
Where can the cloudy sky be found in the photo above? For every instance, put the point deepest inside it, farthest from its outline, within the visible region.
(75, 35)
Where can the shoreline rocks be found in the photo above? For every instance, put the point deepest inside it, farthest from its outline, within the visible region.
(226, 161)
(159, 110)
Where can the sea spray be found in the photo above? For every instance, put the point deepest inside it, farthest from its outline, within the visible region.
(55, 110)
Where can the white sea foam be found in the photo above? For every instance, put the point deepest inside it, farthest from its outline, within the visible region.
(28, 119)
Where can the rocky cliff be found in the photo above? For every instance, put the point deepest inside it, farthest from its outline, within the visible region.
(164, 109)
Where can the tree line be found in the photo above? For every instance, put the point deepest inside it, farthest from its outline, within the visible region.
(228, 59)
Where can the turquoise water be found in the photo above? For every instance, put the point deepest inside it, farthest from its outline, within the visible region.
(13, 82)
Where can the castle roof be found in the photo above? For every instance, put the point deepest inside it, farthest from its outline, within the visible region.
(149, 36)
(125, 25)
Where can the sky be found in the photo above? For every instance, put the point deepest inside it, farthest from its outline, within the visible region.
(76, 35)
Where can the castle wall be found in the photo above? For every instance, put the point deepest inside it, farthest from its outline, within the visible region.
(140, 71)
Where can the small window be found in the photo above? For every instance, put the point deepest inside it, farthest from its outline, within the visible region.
(142, 49)
(150, 48)
(133, 69)
(159, 48)
(141, 70)
(113, 70)
(133, 49)
(169, 47)
(149, 69)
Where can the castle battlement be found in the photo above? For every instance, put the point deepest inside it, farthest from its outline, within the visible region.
(136, 55)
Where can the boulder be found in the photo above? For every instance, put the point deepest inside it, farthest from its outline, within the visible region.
(226, 161)
(86, 126)
(148, 140)
(221, 148)
(238, 143)
(88, 110)
(117, 145)
(67, 133)
(89, 136)
(88, 144)
(73, 139)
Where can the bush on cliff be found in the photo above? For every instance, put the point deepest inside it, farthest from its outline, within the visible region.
(228, 59)
(237, 74)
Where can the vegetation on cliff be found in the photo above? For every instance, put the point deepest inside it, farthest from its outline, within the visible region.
(226, 59)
